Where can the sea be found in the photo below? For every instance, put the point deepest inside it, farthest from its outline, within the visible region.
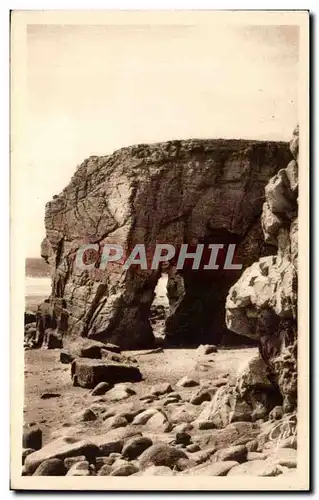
(39, 288)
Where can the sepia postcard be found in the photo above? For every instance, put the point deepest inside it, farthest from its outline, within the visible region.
(159, 250)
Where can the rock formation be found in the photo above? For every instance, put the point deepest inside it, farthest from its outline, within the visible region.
(143, 428)
(202, 191)
(263, 303)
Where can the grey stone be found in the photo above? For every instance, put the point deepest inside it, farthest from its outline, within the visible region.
(261, 468)
(61, 448)
(187, 382)
(90, 372)
(124, 470)
(114, 423)
(32, 437)
(162, 454)
(160, 389)
(203, 350)
(25, 453)
(68, 462)
(211, 469)
(80, 469)
(236, 453)
(100, 389)
(105, 470)
(50, 467)
(135, 446)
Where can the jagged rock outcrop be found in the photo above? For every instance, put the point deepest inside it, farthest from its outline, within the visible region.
(202, 191)
(46, 250)
(263, 303)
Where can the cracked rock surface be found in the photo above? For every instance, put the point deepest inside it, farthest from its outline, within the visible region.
(174, 192)
(263, 302)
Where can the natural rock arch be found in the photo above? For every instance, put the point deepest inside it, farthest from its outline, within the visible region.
(173, 192)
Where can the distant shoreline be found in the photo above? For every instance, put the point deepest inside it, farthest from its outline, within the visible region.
(37, 288)
(36, 267)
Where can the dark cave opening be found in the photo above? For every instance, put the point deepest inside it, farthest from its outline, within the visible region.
(197, 298)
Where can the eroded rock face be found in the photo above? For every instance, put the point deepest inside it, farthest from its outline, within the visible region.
(202, 191)
(263, 303)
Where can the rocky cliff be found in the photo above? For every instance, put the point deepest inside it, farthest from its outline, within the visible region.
(263, 303)
(202, 191)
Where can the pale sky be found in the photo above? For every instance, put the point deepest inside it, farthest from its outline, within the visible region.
(94, 89)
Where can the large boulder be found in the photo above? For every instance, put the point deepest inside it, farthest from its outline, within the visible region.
(52, 339)
(114, 440)
(234, 434)
(51, 467)
(168, 192)
(32, 437)
(81, 348)
(225, 407)
(162, 454)
(135, 446)
(253, 384)
(237, 453)
(29, 317)
(90, 372)
(61, 448)
(263, 303)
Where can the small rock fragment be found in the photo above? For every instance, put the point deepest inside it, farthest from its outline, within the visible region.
(261, 468)
(183, 438)
(119, 392)
(100, 389)
(114, 423)
(205, 424)
(105, 470)
(187, 382)
(159, 422)
(203, 350)
(200, 396)
(154, 470)
(32, 437)
(86, 415)
(256, 455)
(211, 469)
(80, 469)
(193, 448)
(101, 461)
(286, 457)
(143, 417)
(70, 461)
(124, 470)
(49, 395)
(25, 453)
(160, 389)
(233, 453)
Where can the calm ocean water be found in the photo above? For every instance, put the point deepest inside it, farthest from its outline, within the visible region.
(37, 287)
(40, 287)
